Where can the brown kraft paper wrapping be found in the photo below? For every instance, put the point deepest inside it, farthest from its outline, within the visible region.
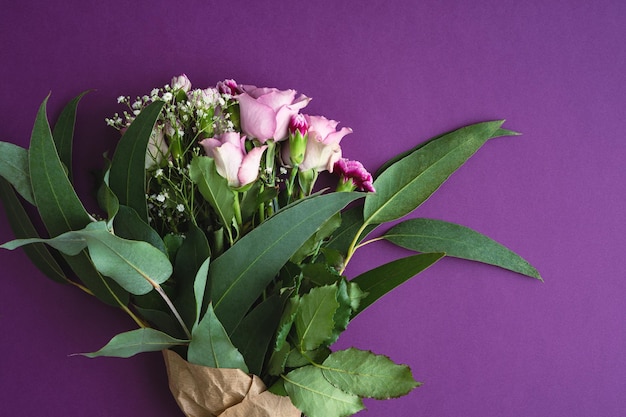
(201, 391)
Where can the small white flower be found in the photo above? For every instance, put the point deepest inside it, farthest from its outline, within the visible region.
(121, 99)
(180, 208)
(154, 92)
(160, 198)
(158, 173)
(167, 96)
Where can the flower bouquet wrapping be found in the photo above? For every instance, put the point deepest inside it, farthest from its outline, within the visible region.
(215, 240)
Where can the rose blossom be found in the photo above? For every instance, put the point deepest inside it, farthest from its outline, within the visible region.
(231, 159)
(229, 87)
(354, 175)
(265, 112)
(181, 83)
(322, 148)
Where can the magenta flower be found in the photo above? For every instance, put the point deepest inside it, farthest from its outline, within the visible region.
(229, 87)
(232, 161)
(353, 175)
(265, 112)
(322, 148)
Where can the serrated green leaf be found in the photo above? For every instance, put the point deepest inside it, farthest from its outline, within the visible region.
(127, 344)
(278, 359)
(297, 359)
(365, 374)
(314, 319)
(286, 321)
(63, 133)
(14, 168)
(253, 335)
(379, 281)
(429, 235)
(409, 182)
(127, 176)
(214, 188)
(240, 275)
(23, 228)
(344, 311)
(211, 346)
(316, 397)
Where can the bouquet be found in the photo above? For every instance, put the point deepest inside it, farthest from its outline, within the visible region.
(215, 240)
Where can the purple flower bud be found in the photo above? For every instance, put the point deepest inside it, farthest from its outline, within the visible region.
(354, 174)
(298, 123)
(229, 87)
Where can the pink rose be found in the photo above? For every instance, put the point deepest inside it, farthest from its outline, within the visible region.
(231, 159)
(322, 147)
(181, 83)
(265, 112)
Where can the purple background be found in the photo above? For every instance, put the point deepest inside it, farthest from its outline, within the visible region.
(484, 341)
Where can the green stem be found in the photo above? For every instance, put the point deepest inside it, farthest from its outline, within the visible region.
(169, 303)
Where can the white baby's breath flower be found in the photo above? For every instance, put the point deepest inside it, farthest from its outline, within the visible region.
(180, 208)
(158, 173)
(160, 198)
(121, 99)
(168, 96)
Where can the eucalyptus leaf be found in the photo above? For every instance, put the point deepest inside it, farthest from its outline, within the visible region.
(351, 222)
(314, 320)
(137, 266)
(60, 208)
(23, 228)
(368, 375)
(63, 133)
(199, 288)
(210, 345)
(379, 281)
(127, 177)
(107, 200)
(14, 168)
(429, 235)
(128, 344)
(214, 188)
(409, 182)
(497, 134)
(240, 275)
(129, 225)
(253, 335)
(311, 392)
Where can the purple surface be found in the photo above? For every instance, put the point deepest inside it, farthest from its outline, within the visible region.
(485, 342)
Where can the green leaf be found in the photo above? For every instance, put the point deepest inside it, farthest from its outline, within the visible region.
(297, 359)
(199, 288)
(128, 225)
(379, 281)
(58, 204)
(240, 274)
(351, 222)
(498, 133)
(253, 335)
(286, 321)
(368, 375)
(311, 246)
(127, 177)
(210, 345)
(428, 235)
(344, 311)
(136, 266)
(314, 319)
(108, 201)
(14, 168)
(190, 257)
(23, 228)
(61, 210)
(406, 184)
(128, 344)
(63, 133)
(214, 188)
(316, 397)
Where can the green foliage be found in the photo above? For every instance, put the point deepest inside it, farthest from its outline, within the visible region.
(211, 346)
(14, 169)
(429, 235)
(128, 344)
